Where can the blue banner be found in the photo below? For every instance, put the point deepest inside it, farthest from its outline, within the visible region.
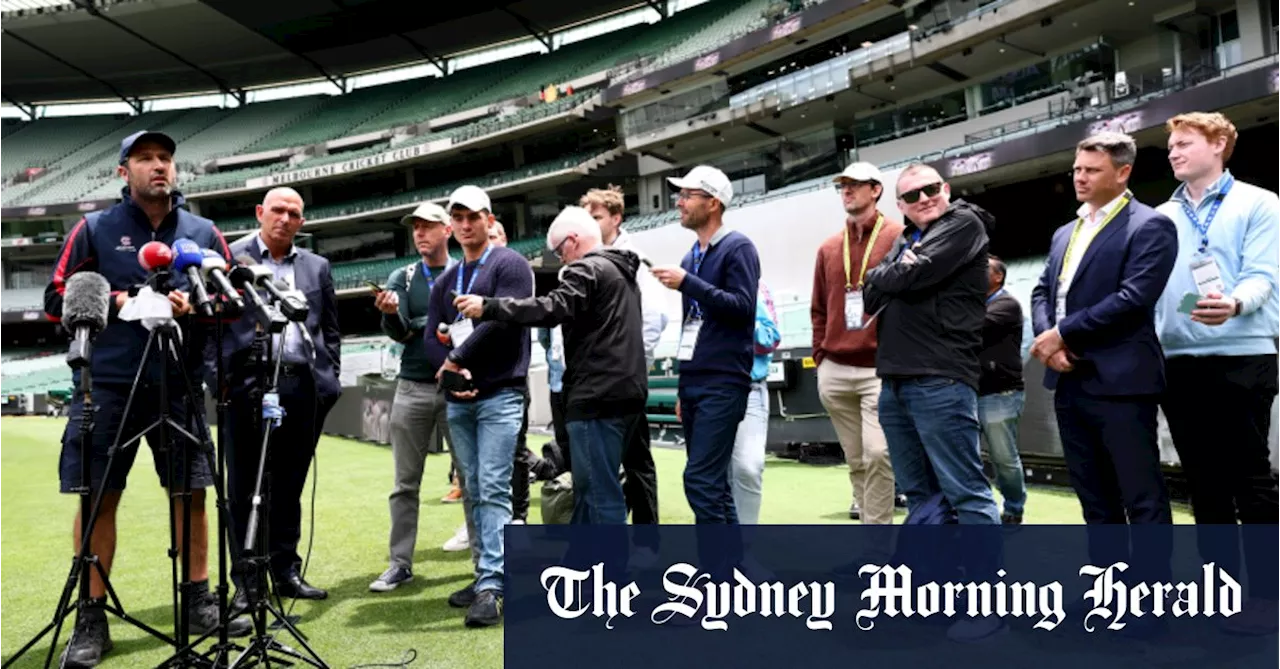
(785, 596)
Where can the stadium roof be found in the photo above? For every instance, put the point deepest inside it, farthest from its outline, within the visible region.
(150, 48)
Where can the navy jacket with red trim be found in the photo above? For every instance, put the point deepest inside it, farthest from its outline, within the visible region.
(107, 242)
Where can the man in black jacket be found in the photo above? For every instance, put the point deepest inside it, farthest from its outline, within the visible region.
(927, 296)
(1001, 393)
(605, 384)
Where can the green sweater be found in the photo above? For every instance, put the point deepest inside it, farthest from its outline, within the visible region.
(421, 358)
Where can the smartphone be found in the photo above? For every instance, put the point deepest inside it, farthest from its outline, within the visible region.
(1188, 303)
(455, 382)
(373, 286)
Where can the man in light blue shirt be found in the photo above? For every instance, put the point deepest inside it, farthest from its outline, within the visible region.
(1218, 320)
(746, 469)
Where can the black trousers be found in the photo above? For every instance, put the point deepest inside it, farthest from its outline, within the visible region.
(520, 468)
(641, 485)
(1112, 452)
(1219, 413)
(558, 426)
(288, 462)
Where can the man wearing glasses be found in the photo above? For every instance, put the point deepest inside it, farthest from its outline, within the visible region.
(598, 306)
(930, 297)
(719, 278)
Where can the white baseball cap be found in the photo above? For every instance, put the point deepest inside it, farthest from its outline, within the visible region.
(706, 178)
(860, 172)
(469, 197)
(427, 211)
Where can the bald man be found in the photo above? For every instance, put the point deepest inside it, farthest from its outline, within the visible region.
(307, 385)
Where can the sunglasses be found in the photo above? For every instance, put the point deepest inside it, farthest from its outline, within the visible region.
(913, 196)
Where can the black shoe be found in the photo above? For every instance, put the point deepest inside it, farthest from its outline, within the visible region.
(90, 640)
(855, 513)
(294, 587)
(1010, 519)
(486, 610)
(203, 614)
(464, 597)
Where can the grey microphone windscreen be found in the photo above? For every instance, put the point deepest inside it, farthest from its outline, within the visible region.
(85, 302)
(246, 260)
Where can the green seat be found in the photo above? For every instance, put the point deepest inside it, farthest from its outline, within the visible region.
(662, 419)
(664, 382)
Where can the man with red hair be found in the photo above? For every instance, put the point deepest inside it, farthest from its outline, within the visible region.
(1218, 320)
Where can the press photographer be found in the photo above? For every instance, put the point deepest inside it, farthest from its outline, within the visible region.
(103, 242)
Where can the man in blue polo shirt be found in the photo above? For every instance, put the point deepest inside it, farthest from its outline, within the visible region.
(719, 279)
(1218, 320)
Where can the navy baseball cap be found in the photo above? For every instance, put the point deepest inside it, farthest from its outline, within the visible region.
(158, 137)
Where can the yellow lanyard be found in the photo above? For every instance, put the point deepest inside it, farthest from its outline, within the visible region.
(866, 255)
(1066, 258)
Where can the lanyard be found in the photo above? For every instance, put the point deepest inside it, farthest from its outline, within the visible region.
(1203, 229)
(994, 295)
(866, 255)
(698, 257)
(431, 280)
(462, 268)
(915, 237)
(1075, 233)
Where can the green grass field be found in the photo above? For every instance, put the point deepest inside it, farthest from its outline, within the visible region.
(354, 626)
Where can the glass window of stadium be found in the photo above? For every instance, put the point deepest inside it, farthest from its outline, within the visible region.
(911, 118)
(1093, 63)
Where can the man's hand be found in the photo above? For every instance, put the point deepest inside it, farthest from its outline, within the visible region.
(121, 298)
(1047, 344)
(908, 257)
(452, 366)
(1214, 309)
(471, 306)
(671, 277)
(678, 416)
(181, 307)
(388, 302)
(1060, 362)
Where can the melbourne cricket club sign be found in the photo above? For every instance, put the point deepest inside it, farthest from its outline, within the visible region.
(377, 160)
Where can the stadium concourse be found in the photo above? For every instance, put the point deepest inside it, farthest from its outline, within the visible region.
(539, 101)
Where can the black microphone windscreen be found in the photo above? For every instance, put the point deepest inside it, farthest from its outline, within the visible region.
(86, 301)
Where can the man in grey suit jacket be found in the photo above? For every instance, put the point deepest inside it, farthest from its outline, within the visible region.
(308, 387)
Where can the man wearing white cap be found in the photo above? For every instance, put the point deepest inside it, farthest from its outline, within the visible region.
(719, 278)
(484, 376)
(845, 347)
(598, 306)
(418, 410)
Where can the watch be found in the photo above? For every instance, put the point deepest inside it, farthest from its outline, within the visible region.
(1239, 305)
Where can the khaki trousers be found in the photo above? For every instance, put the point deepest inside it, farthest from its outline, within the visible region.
(851, 395)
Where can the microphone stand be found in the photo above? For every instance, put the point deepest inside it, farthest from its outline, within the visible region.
(255, 554)
(84, 559)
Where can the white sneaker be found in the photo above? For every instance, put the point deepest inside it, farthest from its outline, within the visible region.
(460, 541)
(517, 521)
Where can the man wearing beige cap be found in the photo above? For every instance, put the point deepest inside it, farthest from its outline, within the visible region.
(418, 410)
(845, 348)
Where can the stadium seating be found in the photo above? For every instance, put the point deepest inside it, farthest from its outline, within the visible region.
(78, 152)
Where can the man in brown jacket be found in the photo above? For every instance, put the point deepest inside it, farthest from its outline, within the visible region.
(844, 340)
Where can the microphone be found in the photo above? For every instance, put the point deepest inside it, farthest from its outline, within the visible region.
(84, 313)
(292, 302)
(242, 277)
(155, 256)
(188, 258)
(214, 268)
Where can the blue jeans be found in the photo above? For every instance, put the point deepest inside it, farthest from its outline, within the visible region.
(998, 416)
(484, 439)
(710, 417)
(931, 426)
(597, 456)
(746, 471)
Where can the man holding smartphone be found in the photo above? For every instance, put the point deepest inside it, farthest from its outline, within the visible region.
(418, 410)
(484, 375)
